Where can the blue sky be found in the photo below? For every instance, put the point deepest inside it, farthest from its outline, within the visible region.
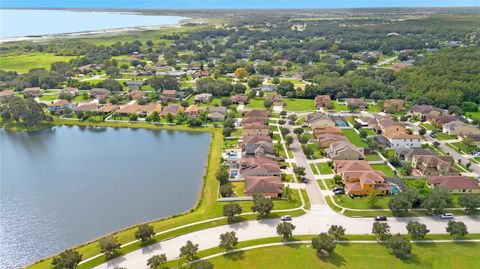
(231, 3)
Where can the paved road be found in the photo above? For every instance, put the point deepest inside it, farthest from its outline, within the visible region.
(314, 222)
(314, 192)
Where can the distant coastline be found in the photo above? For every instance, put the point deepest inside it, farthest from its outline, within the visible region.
(101, 31)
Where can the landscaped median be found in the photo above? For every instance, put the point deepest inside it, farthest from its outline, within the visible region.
(208, 209)
(298, 253)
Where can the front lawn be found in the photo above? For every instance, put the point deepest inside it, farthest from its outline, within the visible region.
(429, 127)
(316, 150)
(314, 169)
(444, 136)
(354, 137)
(361, 202)
(295, 104)
(464, 147)
(370, 131)
(48, 97)
(384, 168)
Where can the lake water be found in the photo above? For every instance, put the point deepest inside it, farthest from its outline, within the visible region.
(18, 23)
(68, 185)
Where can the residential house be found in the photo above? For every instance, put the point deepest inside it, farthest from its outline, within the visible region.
(396, 104)
(407, 154)
(319, 120)
(326, 130)
(217, 113)
(473, 139)
(455, 184)
(259, 166)
(135, 94)
(327, 139)
(343, 150)
(396, 134)
(169, 95)
(129, 109)
(256, 129)
(255, 116)
(355, 102)
(6, 93)
(69, 90)
(255, 139)
(270, 186)
(148, 109)
(276, 99)
(172, 110)
(322, 101)
(440, 120)
(239, 99)
(201, 74)
(59, 105)
(203, 98)
(193, 111)
(107, 109)
(90, 107)
(432, 165)
(460, 128)
(360, 179)
(422, 111)
(134, 85)
(260, 148)
(99, 93)
(33, 92)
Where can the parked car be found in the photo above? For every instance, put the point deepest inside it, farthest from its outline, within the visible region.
(286, 218)
(283, 167)
(380, 218)
(338, 188)
(338, 192)
(446, 216)
(304, 125)
(304, 179)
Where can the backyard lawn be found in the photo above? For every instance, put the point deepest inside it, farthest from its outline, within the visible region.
(339, 107)
(256, 103)
(48, 97)
(372, 157)
(354, 137)
(443, 136)
(314, 169)
(238, 188)
(295, 104)
(370, 131)
(384, 168)
(351, 255)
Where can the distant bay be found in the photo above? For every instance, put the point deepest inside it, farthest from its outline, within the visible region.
(28, 22)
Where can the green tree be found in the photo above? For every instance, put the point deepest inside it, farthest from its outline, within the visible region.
(470, 202)
(363, 134)
(228, 241)
(299, 171)
(144, 233)
(109, 245)
(285, 229)
(69, 259)
(336, 231)
(157, 261)
(231, 210)
(170, 118)
(399, 204)
(381, 230)
(189, 250)
(372, 198)
(456, 229)
(289, 139)
(223, 174)
(155, 117)
(400, 246)
(437, 200)
(262, 205)
(324, 244)
(226, 190)
(417, 230)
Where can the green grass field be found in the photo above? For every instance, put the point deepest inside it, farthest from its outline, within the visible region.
(351, 255)
(444, 136)
(256, 103)
(24, 62)
(354, 137)
(324, 168)
(294, 104)
(384, 168)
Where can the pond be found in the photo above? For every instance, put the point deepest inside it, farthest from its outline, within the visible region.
(68, 185)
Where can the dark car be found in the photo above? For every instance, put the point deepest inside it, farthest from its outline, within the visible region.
(304, 179)
(380, 218)
(283, 167)
(338, 188)
(338, 192)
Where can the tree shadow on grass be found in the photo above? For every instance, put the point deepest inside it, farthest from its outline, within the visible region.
(426, 245)
(334, 259)
(412, 260)
(235, 256)
(200, 265)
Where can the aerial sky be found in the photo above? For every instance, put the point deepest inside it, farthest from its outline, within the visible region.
(232, 3)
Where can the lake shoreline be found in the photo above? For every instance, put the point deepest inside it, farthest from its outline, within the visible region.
(102, 32)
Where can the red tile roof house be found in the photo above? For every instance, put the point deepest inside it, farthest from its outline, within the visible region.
(355, 101)
(270, 186)
(6, 93)
(455, 184)
(171, 109)
(256, 114)
(193, 111)
(85, 108)
(106, 109)
(360, 179)
(239, 99)
(259, 166)
(129, 109)
(170, 95)
(322, 101)
(135, 94)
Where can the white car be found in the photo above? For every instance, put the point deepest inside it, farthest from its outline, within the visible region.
(286, 218)
(446, 216)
